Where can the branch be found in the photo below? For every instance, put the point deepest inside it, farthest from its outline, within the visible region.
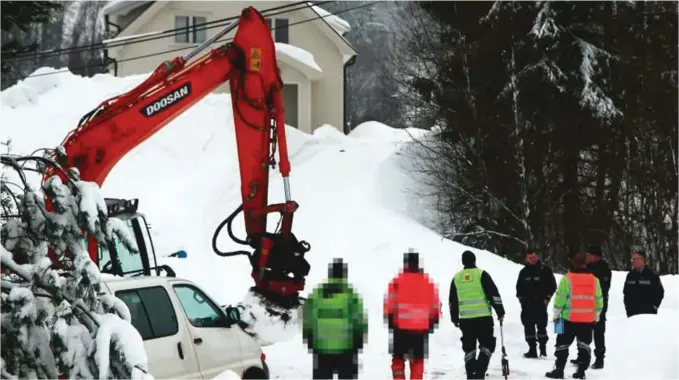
(9, 263)
(504, 206)
(483, 231)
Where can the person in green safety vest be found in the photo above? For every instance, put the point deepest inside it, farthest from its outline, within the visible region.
(335, 326)
(472, 294)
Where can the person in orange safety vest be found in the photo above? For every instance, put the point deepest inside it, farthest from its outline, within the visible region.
(578, 304)
(412, 309)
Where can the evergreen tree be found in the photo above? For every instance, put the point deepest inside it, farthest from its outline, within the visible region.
(21, 15)
(54, 322)
(558, 124)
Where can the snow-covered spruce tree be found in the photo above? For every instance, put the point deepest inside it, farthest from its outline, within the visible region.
(53, 321)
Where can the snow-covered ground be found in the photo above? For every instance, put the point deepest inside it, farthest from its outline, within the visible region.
(354, 203)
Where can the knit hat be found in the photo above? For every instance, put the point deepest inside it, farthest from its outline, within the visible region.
(338, 269)
(594, 250)
(411, 259)
(468, 258)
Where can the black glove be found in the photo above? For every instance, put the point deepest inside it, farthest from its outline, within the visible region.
(433, 324)
(309, 338)
(358, 341)
(390, 322)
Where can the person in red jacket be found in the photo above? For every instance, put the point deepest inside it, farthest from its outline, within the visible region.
(412, 309)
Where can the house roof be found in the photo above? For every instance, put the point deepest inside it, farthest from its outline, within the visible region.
(340, 25)
(126, 6)
(300, 59)
(330, 25)
(122, 6)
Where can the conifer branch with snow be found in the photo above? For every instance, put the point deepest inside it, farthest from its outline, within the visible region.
(53, 321)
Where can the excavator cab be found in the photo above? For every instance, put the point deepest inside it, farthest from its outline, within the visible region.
(115, 258)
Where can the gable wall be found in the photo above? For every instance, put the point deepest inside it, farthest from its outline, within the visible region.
(327, 92)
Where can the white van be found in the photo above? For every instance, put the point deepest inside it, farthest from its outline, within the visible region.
(186, 334)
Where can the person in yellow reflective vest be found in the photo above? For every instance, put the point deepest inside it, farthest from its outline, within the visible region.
(577, 304)
(472, 294)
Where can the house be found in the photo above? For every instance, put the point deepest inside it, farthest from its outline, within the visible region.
(311, 50)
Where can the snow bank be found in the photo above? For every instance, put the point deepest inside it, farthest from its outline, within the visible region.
(374, 130)
(643, 347)
(28, 90)
(298, 54)
(330, 134)
(296, 139)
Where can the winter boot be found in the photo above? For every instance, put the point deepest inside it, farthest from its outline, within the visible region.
(579, 374)
(575, 361)
(543, 350)
(416, 369)
(398, 368)
(598, 363)
(556, 373)
(532, 353)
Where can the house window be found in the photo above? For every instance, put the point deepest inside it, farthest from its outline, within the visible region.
(192, 29)
(280, 29)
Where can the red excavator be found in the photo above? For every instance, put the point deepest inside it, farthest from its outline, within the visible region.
(107, 133)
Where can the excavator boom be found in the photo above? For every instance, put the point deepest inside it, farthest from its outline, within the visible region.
(118, 125)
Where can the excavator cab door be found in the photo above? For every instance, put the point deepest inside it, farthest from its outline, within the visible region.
(115, 258)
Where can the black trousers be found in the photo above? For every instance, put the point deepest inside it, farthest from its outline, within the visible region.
(345, 365)
(571, 331)
(477, 330)
(599, 334)
(409, 343)
(600, 339)
(534, 320)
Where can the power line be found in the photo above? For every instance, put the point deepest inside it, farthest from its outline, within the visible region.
(156, 35)
(194, 46)
(144, 38)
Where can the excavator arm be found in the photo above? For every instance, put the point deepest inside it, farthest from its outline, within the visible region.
(248, 63)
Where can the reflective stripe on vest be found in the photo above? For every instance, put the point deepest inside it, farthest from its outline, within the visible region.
(582, 303)
(470, 295)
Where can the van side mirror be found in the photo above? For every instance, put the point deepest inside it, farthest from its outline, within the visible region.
(232, 315)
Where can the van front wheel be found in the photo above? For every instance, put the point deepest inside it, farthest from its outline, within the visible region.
(255, 373)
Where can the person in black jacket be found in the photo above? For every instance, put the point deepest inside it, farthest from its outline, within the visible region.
(475, 289)
(643, 291)
(534, 289)
(597, 266)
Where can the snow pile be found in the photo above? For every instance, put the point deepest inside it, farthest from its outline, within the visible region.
(28, 90)
(373, 130)
(267, 330)
(329, 134)
(641, 347)
(355, 202)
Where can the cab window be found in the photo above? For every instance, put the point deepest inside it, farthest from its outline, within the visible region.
(199, 310)
(127, 260)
